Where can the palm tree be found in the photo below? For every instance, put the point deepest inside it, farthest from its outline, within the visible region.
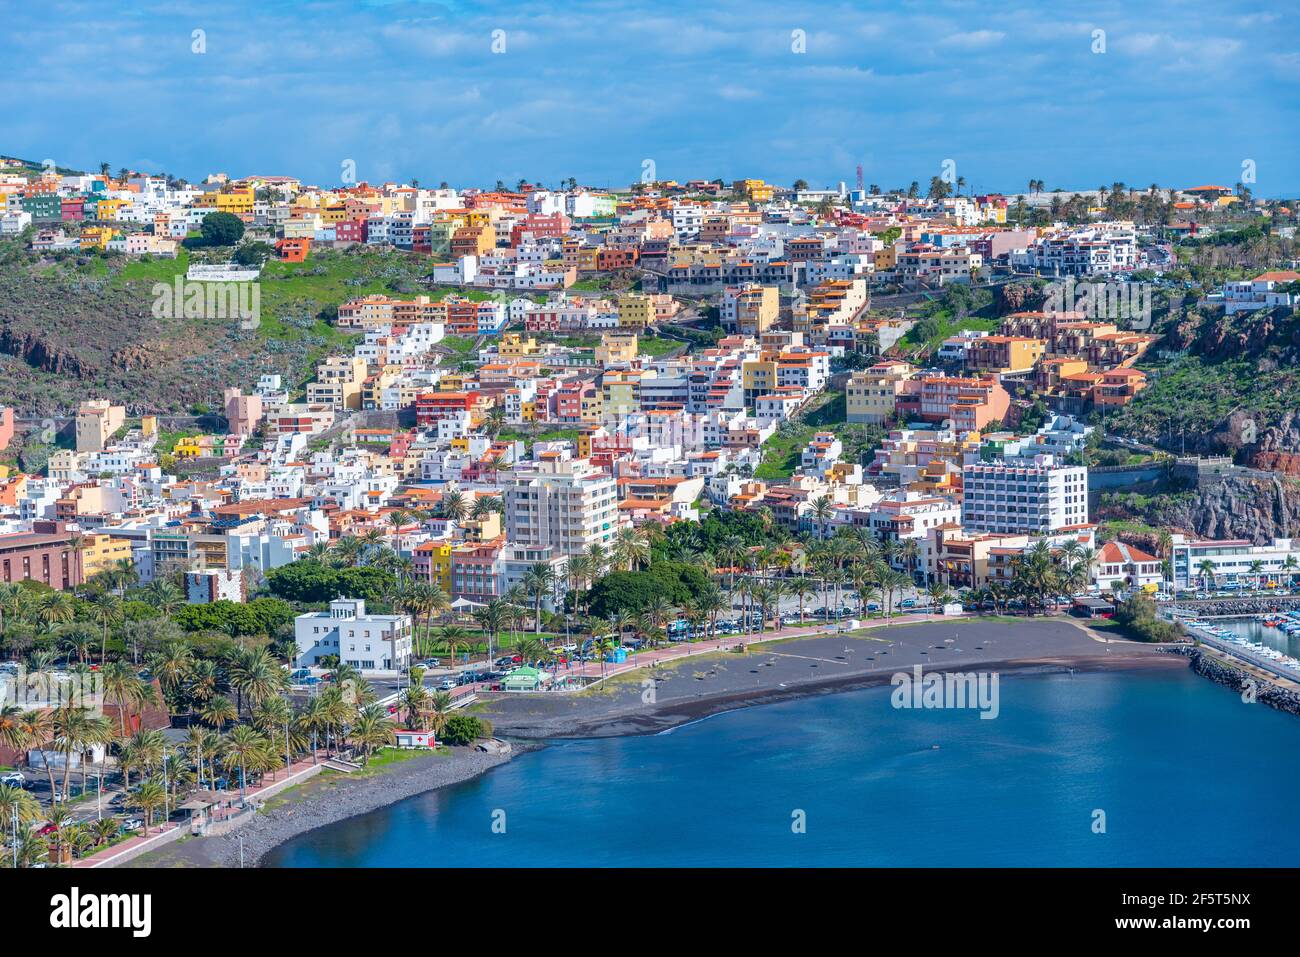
(1257, 570)
(17, 807)
(539, 581)
(148, 797)
(239, 749)
(254, 676)
(163, 595)
(1206, 568)
(373, 729)
(202, 744)
(939, 596)
(106, 611)
(822, 509)
(631, 548)
(711, 603)
(453, 506)
(218, 711)
(492, 618)
(127, 690)
(54, 608)
(891, 581)
(13, 602)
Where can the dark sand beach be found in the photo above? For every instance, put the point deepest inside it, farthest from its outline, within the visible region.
(650, 700)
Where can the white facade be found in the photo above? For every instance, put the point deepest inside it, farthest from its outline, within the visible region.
(1029, 499)
(366, 642)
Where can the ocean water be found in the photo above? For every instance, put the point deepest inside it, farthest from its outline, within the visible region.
(1183, 771)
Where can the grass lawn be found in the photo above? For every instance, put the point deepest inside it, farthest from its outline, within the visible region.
(388, 757)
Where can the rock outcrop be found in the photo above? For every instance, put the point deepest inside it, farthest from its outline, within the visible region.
(1237, 506)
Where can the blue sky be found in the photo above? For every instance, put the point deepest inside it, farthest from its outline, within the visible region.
(1184, 93)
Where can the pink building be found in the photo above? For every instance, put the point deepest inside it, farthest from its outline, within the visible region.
(243, 412)
(6, 426)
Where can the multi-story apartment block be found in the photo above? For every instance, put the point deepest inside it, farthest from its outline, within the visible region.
(566, 504)
(1030, 499)
(750, 309)
(871, 395)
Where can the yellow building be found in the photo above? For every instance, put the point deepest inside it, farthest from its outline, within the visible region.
(759, 377)
(872, 394)
(750, 309)
(338, 382)
(237, 201)
(514, 346)
(620, 392)
(439, 563)
(100, 552)
(635, 311)
(754, 190)
(617, 347)
(885, 259)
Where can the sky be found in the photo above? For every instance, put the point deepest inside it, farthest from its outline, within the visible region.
(1173, 92)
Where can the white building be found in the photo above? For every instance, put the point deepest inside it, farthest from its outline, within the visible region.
(566, 504)
(365, 642)
(1033, 498)
(1232, 561)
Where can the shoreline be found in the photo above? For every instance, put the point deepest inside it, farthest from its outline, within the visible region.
(659, 720)
(334, 797)
(325, 800)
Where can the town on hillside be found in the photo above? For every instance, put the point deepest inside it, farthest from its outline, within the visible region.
(561, 433)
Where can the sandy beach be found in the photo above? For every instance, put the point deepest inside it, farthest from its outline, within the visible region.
(653, 699)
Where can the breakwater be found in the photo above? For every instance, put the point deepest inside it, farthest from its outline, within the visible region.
(1220, 672)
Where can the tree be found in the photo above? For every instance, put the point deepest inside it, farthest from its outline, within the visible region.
(148, 797)
(239, 749)
(373, 729)
(221, 229)
(107, 611)
(464, 729)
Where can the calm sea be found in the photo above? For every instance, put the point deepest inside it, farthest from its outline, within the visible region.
(1183, 772)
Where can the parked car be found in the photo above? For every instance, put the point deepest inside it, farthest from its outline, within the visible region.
(14, 779)
(132, 824)
(430, 663)
(448, 684)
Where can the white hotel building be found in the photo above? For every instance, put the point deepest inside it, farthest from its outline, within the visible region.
(1030, 499)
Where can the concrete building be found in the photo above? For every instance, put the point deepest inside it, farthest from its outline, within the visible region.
(1031, 499)
(871, 395)
(97, 420)
(750, 309)
(366, 642)
(566, 504)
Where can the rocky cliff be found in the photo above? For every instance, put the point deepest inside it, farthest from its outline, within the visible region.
(1238, 506)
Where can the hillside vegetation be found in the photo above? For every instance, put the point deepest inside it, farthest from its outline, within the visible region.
(81, 324)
